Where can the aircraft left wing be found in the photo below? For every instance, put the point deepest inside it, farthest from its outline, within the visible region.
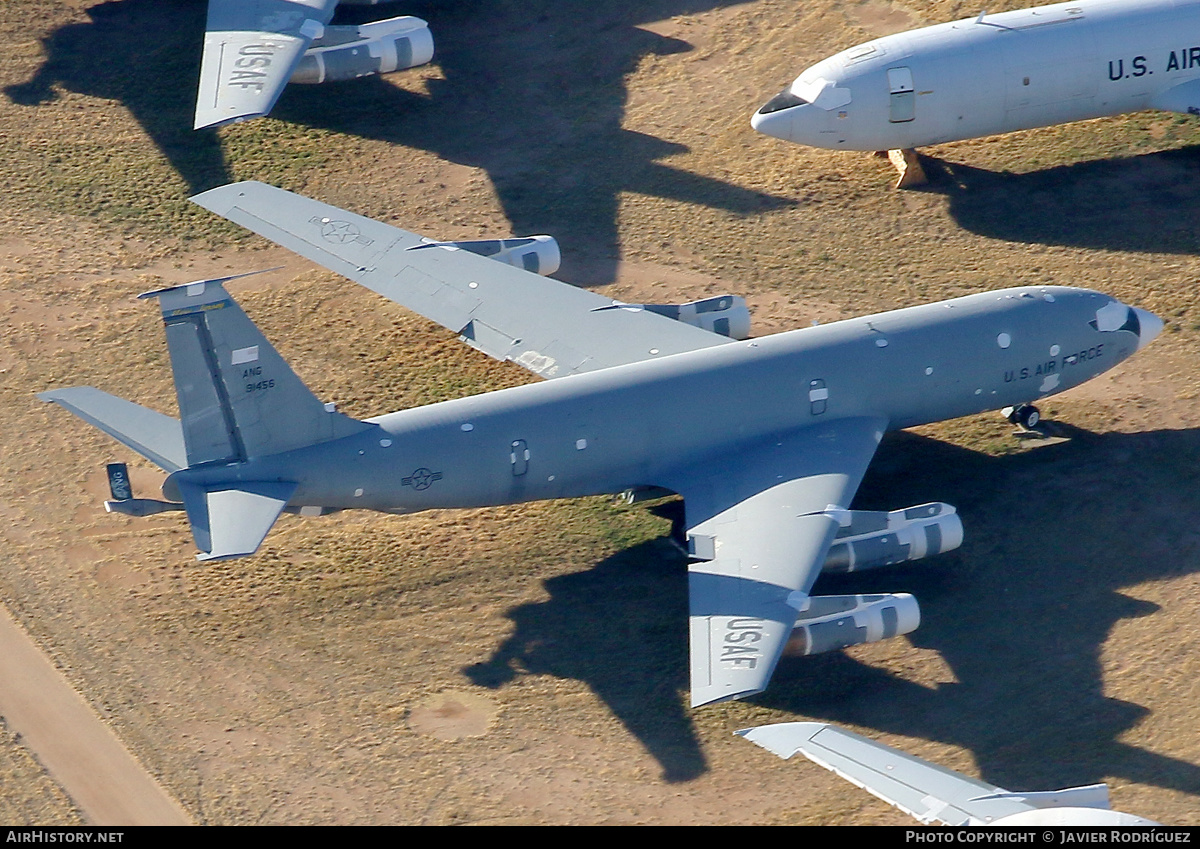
(251, 49)
(760, 522)
(551, 328)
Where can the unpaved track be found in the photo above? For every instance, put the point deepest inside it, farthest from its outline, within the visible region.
(75, 746)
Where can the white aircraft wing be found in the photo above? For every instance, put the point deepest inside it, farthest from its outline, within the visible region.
(549, 327)
(760, 521)
(929, 792)
(251, 48)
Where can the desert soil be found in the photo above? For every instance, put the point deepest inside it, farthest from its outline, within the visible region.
(529, 664)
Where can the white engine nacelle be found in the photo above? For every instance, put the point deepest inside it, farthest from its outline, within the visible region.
(539, 254)
(832, 622)
(868, 540)
(348, 52)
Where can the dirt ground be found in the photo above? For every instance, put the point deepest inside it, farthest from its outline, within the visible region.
(528, 665)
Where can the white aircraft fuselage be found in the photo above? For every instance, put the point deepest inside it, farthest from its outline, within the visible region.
(996, 73)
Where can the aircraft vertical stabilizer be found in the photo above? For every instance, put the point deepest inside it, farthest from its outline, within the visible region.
(238, 399)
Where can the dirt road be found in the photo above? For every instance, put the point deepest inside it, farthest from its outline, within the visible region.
(108, 784)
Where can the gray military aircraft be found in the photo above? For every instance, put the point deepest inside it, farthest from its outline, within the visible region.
(766, 439)
(932, 793)
(253, 48)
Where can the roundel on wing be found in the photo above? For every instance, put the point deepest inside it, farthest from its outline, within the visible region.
(339, 232)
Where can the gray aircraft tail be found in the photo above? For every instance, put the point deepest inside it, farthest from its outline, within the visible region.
(238, 400)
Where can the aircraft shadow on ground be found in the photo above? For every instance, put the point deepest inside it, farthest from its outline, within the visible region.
(1144, 203)
(144, 54)
(1020, 614)
(616, 627)
(531, 92)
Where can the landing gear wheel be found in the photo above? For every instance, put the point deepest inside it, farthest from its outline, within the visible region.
(1024, 415)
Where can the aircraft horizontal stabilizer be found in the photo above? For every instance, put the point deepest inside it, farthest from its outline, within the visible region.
(232, 522)
(156, 437)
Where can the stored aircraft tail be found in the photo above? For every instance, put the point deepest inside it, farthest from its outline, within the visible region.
(238, 400)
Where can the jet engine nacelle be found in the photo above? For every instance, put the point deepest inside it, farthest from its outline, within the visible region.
(725, 315)
(348, 52)
(832, 622)
(539, 254)
(868, 540)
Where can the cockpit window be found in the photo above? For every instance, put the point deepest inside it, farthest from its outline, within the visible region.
(784, 100)
(1116, 316)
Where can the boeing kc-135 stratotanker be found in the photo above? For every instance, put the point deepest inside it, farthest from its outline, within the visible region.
(995, 73)
(766, 439)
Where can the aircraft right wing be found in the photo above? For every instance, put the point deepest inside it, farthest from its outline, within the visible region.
(760, 520)
(923, 790)
(549, 327)
(251, 49)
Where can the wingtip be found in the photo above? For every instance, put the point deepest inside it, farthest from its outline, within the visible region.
(707, 696)
(214, 281)
(54, 396)
(209, 120)
(206, 119)
(784, 739)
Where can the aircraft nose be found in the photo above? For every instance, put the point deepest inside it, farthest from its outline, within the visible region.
(1149, 326)
(777, 116)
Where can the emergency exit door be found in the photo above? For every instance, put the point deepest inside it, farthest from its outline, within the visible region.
(902, 104)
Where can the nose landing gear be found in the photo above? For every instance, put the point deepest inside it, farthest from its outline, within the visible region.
(1025, 416)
